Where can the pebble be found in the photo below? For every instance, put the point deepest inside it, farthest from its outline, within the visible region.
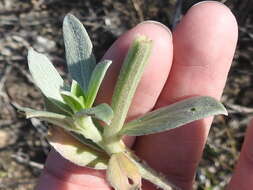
(3, 138)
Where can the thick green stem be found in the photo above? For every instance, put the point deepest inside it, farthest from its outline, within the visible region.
(88, 129)
(128, 80)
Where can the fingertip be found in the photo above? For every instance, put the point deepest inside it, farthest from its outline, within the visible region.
(216, 14)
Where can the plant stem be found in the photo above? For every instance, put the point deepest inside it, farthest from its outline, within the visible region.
(151, 175)
(89, 130)
(126, 85)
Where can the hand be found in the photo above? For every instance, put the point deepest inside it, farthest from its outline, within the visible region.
(204, 44)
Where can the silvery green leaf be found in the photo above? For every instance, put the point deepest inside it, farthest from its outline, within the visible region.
(86, 141)
(96, 80)
(72, 101)
(83, 126)
(102, 112)
(45, 75)
(121, 170)
(75, 151)
(174, 115)
(128, 80)
(56, 106)
(78, 48)
(57, 119)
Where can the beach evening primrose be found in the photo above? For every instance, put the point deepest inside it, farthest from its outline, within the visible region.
(89, 134)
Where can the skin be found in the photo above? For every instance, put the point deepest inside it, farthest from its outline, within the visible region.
(193, 60)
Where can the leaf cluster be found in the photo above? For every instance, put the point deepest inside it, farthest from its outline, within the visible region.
(91, 135)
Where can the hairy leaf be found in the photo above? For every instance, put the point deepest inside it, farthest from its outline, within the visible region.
(96, 80)
(75, 151)
(77, 91)
(86, 141)
(121, 170)
(174, 115)
(102, 112)
(45, 75)
(56, 106)
(72, 101)
(78, 48)
(60, 120)
(129, 77)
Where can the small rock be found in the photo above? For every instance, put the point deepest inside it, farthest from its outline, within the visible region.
(3, 138)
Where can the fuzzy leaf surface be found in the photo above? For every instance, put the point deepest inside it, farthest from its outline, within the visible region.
(75, 151)
(101, 112)
(97, 77)
(45, 75)
(128, 80)
(72, 101)
(78, 48)
(77, 91)
(174, 115)
(120, 170)
(52, 105)
(59, 120)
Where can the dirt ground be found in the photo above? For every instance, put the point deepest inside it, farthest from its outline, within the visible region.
(37, 23)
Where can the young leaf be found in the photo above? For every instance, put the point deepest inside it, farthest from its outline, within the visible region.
(174, 115)
(75, 151)
(52, 105)
(102, 112)
(96, 80)
(83, 126)
(77, 91)
(129, 77)
(72, 101)
(78, 48)
(86, 141)
(63, 121)
(121, 170)
(45, 75)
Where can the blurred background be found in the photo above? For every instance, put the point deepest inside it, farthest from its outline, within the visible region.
(37, 23)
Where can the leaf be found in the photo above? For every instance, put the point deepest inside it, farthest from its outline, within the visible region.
(56, 106)
(63, 121)
(45, 75)
(97, 77)
(128, 80)
(83, 126)
(77, 91)
(76, 152)
(78, 48)
(86, 141)
(102, 112)
(122, 173)
(72, 101)
(174, 115)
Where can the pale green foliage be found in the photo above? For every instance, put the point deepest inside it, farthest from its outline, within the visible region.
(78, 48)
(78, 133)
(96, 79)
(72, 101)
(101, 112)
(76, 151)
(130, 75)
(45, 75)
(174, 115)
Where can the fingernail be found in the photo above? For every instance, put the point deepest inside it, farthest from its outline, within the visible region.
(203, 2)
(158, 24)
